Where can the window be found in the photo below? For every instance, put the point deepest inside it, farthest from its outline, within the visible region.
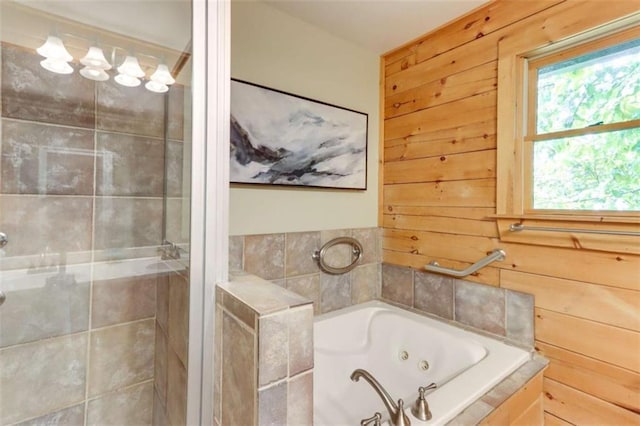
(581, 136)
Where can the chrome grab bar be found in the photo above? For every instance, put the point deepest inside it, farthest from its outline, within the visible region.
(517, 227)
(496, 255)
(356, 251)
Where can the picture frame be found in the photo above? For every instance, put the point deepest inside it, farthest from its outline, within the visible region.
(278, 138)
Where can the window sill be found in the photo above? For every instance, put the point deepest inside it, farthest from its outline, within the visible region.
(573, 237)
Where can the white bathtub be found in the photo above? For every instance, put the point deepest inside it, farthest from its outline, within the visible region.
(374, 336)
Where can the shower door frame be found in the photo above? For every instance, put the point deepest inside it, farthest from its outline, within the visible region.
(209, 196)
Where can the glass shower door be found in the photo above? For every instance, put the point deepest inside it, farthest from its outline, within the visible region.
(94, 162)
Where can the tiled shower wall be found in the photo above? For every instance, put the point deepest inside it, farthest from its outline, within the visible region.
(82, 172)
(82, 164)
(285, 259)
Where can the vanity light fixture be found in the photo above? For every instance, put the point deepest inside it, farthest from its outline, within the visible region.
(56, 56)
(160, 80)
(129, 72)
(95, 65)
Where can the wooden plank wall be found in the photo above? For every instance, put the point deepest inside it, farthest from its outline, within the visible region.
(439, 186)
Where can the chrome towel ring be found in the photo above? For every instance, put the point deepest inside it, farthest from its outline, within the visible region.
(356, 252)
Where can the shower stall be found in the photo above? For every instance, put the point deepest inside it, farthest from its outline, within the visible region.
(98, 282)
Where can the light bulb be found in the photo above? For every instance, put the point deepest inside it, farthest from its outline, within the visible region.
(53, 48)
(131, 67)
(162, 75)
(93, 73)
(154, 86)
(95, 59)
(56, 65)
(127, 80)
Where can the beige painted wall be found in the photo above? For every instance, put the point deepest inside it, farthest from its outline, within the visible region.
(276, 50)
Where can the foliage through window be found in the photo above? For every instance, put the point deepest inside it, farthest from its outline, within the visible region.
(582, 142)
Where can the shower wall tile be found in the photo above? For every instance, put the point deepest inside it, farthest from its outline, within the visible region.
(177, 217)
(335, 292)
(239, 375)
(307, 286)
(299, 250)
(397, 284)
(42, 377)
(175, 167)
(241, 311)
(125, 223)
(433, 293)
(162, 301)
(40, 224)
(480, 306)
(59, 306)
(176, 112)
(128, 165)
(160, 365)
(264, 255)
(364, 283)
(68, 416)
(123, 300)
(133, 110)
(272, 405)
(121, 356)
(159, 413)
(31, 93)
(300, 322)
(176, 390)
(300, 400)
(272, 359)
(46, 159)
(520, 317)
(131, 406)
(178, 320)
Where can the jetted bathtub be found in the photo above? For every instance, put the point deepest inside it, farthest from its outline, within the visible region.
(403, 351)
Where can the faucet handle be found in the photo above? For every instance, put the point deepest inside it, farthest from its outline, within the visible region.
(421, 407)
(375, 420)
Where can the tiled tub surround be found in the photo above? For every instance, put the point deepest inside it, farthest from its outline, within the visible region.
(503, 313)
(264, 354)
(285, 259)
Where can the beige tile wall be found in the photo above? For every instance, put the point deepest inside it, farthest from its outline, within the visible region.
(264, 354)
(285, 259)
(81, 180)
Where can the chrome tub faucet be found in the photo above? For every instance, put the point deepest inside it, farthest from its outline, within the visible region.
(396, 411)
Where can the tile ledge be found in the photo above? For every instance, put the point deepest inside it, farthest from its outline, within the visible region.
(261, 295)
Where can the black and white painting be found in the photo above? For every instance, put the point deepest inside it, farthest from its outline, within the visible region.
(282, 139)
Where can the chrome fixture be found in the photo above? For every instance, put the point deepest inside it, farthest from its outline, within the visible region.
(4, 239)
(169, 250)
(517, 227)
(421, 406)
(496, 255)
(375, 420)
(396, 411)
(356, 251)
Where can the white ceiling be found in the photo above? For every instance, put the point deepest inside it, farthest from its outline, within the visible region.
(377, 25)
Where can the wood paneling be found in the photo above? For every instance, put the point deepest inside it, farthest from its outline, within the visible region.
(441, 111)
(523, 408)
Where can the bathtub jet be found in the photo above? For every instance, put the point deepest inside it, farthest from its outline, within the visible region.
(397, 415)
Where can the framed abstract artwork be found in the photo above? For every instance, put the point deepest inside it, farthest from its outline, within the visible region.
(278, 138)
